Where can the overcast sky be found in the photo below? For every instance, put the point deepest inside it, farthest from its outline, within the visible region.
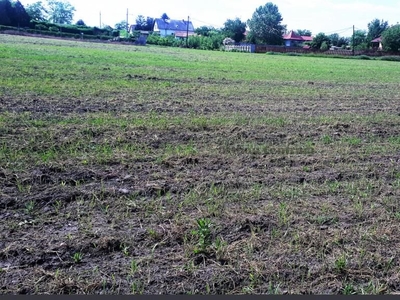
(316, 15)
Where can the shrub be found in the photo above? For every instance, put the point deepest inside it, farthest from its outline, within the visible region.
(166, 41)
(293, 54)
(153, 39)
(366, 57)
(324, 46)
(194, 42)
(390, 58)
(41, 27)
(3, 28)
(103, 37)
(54, 29)
(391, 38)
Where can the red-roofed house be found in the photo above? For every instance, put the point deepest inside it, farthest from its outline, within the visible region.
(292, 39)
(377, 43)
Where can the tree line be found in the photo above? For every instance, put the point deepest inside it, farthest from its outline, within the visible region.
(264, 27)
(51, 17)
(13, 13)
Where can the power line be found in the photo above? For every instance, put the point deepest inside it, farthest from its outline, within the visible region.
(207, 23)
(339, 30)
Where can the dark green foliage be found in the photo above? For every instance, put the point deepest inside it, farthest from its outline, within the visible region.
(390, 58)
(360, 40)
(13, 14)
(205, 30)
(376, 28)
(324, 46)
(343, 41)
(41, 27)
(234, 29)
(70, 31)
(212, 42)
(156, 39)
(334, 39)
(121, 25)
(20, 16)
(144, 23)
(293, 54)
(338, 41)
(6, 13)
(391, 39)
(304, 32)
(365, 57)
(265, 25)
(36, 11)
(318, 41)
(60, 12)
(80, 23)
(4, 28)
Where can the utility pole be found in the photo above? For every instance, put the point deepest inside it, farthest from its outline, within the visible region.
(187, 33)
(100, 19)
(127, 22)
(354, 33)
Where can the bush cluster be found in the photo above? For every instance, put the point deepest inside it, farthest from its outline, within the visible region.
(68, 31)
(195, 42)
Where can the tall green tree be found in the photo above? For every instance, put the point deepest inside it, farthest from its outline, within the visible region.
(334, 37)
(304, 32)
(266, 25)
(121, 25)
(80, 22)
(60, 12)
(391, 38)
(204, 30)
(140, 22)
(20, 17)
(144, 23)
(359, 41)
(235, 29)
(375, 29)
(149, 24)
(6, 13)
(36, 11)
(320, 42)
(13, 14)
(343, 41)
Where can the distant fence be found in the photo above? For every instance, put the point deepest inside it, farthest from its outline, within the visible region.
(342, 52)
(241, 48)
(252, 48)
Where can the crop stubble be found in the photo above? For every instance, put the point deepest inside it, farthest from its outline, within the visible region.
(107, 164)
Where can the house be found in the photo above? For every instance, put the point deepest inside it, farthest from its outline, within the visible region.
(177, 28)
(377, 43)
(292, 39)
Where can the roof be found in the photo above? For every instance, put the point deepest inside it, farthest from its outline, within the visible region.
(377, 40)
(293, 36)
(182, 34)
(177, 25)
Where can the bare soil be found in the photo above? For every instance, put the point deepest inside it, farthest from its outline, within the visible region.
(301, 216)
